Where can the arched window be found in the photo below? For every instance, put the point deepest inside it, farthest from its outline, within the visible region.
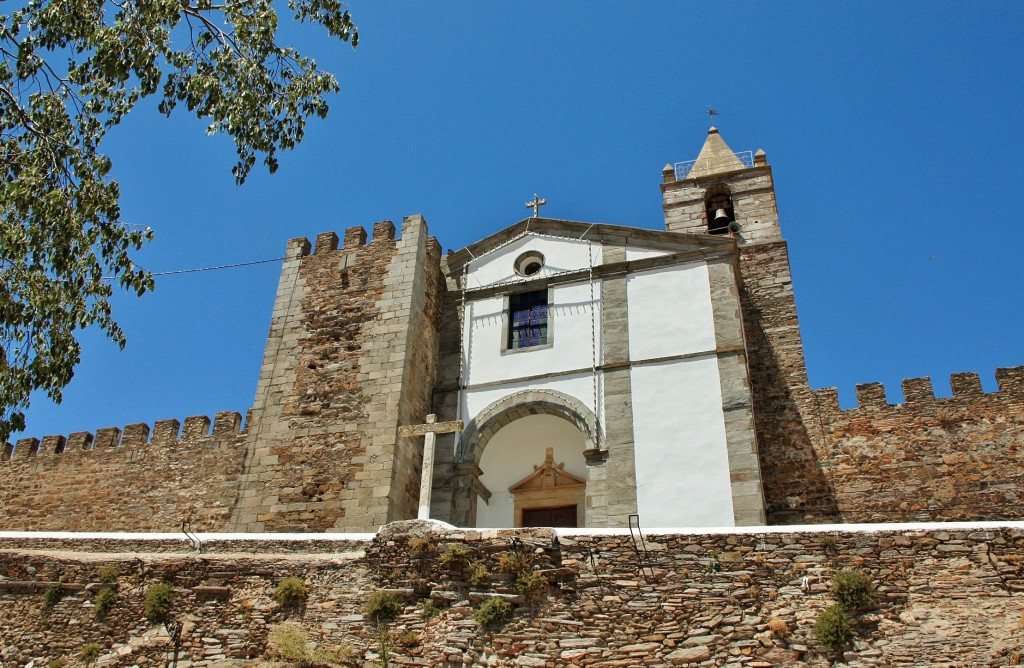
(718, 201)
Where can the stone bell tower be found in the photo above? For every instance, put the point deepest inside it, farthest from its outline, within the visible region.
(722, 192)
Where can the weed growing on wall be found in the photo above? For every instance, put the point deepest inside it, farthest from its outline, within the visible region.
(383, 605)
(105, 600)
(107, 575)
(420, 546)
(430, 609)
(833, 627)
(53, 595)
(778, 627)
(290, 642)
(159, 598)
(514, 562)
(291, 593)
(456, 557)
(89, 653)
(477, 573)
(493, 612)
(532, 585)
(852, 589)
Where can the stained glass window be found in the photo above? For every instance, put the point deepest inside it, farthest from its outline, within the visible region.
(528, 319)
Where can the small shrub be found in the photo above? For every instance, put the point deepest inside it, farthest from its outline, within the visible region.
(408, 639)
(514, 562)
(430, 609)
(1013, 658)
(493, 612)
(778, 627)
(53, 595)
(852, 589)
(105, 600)
(291, 592)
(833, 628)
(89, 652)
(107, 575)
(291, 643)
(946, 419)
(383, 605)
(456, 556)
(420, 546)
(159, 598)
(713, 565)
(56, 663)
(532, 585)
(477, 573)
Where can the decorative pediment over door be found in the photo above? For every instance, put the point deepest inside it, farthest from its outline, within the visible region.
(550, 486)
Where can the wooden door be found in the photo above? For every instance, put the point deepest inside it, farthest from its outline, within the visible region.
(563, 516)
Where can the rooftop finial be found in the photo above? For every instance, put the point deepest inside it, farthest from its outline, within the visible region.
(536, 204)
(711, 114)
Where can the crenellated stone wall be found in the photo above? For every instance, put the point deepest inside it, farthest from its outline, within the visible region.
(352, 354)
(125, 480)
(944, 595)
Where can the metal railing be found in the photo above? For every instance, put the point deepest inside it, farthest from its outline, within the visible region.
(685, 168)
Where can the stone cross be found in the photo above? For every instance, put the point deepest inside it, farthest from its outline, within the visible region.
(536, 204)
(429, 432)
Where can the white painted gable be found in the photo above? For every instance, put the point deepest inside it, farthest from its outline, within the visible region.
(560, 255)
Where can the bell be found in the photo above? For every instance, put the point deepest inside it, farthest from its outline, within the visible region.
(721, 218)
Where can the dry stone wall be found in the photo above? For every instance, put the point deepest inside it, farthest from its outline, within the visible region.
(127, 480)
(944, 595)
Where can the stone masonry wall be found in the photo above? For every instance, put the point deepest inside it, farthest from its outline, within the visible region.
(352, 351)
(125, 481)
(785, 417)
(951, 458)
(943, 595)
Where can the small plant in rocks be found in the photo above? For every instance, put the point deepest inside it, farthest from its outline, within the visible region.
(382, 605)
(456, 556)
(159, 598)
(852, 589)
(833, 627)
(532, 585)
(291, 592)
(107, 575)
(105, 600)
(89, 653)
(53, 595)
(514, 562)
(493, 612)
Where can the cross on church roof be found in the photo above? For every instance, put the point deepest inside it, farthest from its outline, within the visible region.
(536, 204)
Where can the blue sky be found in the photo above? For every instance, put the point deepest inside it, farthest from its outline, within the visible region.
(894, 132)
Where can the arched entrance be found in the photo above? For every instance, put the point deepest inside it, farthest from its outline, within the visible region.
(523, 462)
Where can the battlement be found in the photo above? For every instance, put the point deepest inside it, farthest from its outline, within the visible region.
(965, 386)
(356, 237)
(165, 433)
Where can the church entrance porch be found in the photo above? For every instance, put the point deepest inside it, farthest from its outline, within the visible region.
(536, 474)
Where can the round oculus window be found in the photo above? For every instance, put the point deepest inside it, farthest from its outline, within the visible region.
(529, 263)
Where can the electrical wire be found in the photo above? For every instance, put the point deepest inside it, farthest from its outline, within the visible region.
(198, 269)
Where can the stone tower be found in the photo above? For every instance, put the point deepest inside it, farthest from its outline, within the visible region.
(352, 353)
(696, 194)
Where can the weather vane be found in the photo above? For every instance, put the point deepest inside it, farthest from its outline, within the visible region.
(712, 113)
(536, 204)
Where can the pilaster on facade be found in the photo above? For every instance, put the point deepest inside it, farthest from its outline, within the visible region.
(617, 487)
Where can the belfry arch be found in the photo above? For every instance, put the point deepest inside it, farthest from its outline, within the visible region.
(574, 438)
